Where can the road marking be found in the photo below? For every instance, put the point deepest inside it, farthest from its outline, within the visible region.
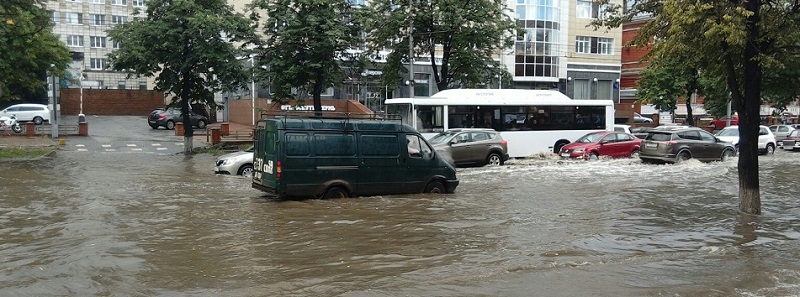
(111, 150)
(179, 143)
(83, 150)
(136, 149)
(156, 144)
(161, 148)
(3, 145)
(130, 144)
(105, 145)
(80, 145)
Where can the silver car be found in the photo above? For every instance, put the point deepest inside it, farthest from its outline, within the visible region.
(781, 131)
(239, 163)
(471, 146)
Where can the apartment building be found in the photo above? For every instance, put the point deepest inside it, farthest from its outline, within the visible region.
(82, 25)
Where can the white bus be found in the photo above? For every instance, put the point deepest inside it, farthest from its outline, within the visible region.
(532, 121)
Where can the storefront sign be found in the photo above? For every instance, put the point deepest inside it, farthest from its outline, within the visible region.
(307, 108)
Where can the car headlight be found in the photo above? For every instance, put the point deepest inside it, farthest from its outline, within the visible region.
(227, 161)
(580, 150)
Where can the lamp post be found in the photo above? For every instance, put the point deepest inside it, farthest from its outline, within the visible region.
(410, 50)
(54, 122)
(83, 76)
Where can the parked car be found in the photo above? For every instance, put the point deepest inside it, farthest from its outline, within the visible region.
(471, 146)
(642, 132)
(781, 131)
(791, 142)
(593, 145)
(674, 146)
(637, 118)
(28, 112)
(239, 163)
(766, 140)
(623, 128)
(167, 118)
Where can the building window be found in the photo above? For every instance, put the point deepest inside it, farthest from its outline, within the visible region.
(121, 84)
(357, 2)
(74, 18)
(97, 41)
(138, 3)
(119, 2)
(56, 17)
(98, 64)
(118, 19)
(74, 40)
(594, 45)
(581, 88)
(97, 19)
(97, 1)
(582, 44)
(584, 10)
(116, 44)
(143, 85)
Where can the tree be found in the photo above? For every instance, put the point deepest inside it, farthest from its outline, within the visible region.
(188, 45)
(467, 35)
(740, 42)
(28, 48)
(303, 40)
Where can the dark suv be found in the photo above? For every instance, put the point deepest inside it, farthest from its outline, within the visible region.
(167, 118)
(674, 146)
(471, 146)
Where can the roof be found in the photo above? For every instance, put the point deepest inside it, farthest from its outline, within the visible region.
(510, 97)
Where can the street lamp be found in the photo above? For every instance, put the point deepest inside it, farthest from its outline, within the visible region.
(411, 50)
(81, 78)
(54, 121)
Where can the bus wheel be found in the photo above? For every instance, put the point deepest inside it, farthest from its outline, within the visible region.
(558, 146)
(335, 193)
(434, 187)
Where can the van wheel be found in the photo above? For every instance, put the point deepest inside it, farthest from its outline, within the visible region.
(246, 170)
(38, 120)
(170, 125)
(434, 187)
(335, 193)
(494, 159)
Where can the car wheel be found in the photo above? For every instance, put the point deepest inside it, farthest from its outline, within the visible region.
(727, 154)
(38, 120)
(154, 126)
(635, 153)
(737, 149)
(246, 170)
(434, 187)
(494, 159)
(170, 125)
(201, 124)
(770, 149)
(593, 156)
(335, 193)
(683, 156)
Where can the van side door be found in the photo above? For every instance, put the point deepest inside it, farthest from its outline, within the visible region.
(419, 164)
(380, 171)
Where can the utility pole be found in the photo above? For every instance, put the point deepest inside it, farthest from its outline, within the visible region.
(410, 50)
(54, 119)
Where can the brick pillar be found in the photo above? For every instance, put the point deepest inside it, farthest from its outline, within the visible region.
(179, 129)
(225, 129)
(83, 129)
(216, 136)
(30, 129)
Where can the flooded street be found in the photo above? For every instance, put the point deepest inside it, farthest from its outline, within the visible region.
(85, 223)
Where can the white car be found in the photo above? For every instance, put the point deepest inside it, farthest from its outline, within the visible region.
(27, 112)
(238, 163)
(622, 128)
(766, 140)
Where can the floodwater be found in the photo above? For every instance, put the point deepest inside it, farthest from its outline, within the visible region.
(149, 224)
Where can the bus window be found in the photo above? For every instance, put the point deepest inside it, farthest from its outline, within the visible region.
(461, 117)
(430, 119)
(403, 110)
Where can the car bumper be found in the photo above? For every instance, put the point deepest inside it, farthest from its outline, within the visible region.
(666, 158)
(450, 186)
(226, 169)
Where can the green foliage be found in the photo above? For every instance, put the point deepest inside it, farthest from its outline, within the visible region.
(303, 39)
(190, 46)
(28, 48)
(467, 35)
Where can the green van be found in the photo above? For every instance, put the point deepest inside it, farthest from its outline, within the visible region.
(337, 158)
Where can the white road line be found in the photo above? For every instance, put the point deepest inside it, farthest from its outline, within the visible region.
(161, 148)
(156, 144)
(179, 143)
(136, 149)
(130, 144)
(80, 145)
(111, 150)
(83, 150)
(105, 145)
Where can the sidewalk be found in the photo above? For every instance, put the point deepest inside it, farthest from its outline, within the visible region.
(17, 140)
(233, 128)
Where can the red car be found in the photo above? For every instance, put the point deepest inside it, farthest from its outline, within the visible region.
(596, 144)
(791, 142)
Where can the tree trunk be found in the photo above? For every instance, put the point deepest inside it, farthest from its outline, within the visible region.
(689, 116)
(188, 130)
(749, 117)
(318, 83)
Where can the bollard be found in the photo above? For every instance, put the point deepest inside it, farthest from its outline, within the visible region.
(179, 129)
(83, 127)
(225, 129)
(30, 129)
(215, 136)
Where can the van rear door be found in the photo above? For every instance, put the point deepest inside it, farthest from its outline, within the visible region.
(265, 157)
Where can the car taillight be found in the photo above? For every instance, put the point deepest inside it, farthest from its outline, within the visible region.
(672, 143)
(278, 170)
(163, 116)
(504, 142)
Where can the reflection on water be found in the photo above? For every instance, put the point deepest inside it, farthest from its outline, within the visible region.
(147, 224)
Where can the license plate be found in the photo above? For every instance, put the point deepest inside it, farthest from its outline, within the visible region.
(565, 155)
(651, 145)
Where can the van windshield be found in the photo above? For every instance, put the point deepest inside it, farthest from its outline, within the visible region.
(443, 137)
